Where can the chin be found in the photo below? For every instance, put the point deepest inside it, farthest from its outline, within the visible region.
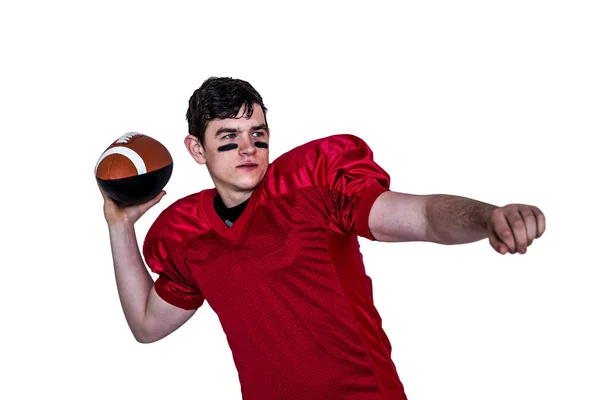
(248, 185)
(250, 181)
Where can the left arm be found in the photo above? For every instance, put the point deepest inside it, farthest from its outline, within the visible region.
(445, 219)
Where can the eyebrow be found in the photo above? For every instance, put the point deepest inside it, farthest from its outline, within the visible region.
(235, 130)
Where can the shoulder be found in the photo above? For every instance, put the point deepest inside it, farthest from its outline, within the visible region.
(311, 162)
(327, 149)
(179, 221)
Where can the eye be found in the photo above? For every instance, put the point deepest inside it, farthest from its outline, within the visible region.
(229, 136)
(258, 134)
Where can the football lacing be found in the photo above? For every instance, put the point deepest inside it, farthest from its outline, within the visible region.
(126, 137)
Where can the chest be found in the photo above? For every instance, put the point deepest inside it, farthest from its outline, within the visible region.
(283, 240)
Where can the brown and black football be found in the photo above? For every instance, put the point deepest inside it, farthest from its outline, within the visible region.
(134, 168)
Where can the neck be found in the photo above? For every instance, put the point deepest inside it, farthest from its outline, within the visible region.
(232, 199)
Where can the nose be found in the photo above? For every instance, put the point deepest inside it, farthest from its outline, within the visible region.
(246, 145)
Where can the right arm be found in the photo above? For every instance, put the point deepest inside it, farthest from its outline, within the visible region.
(150, 318)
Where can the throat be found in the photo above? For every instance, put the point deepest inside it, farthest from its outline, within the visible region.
(228, 215)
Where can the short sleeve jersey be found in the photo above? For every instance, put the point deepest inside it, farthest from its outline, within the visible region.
(287, 280)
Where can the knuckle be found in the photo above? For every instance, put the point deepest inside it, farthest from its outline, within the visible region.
(517, 223)
(529, 216)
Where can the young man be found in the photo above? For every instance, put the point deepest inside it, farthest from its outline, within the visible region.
(274, 249)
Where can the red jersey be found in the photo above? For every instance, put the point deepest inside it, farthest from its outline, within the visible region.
(287, 280)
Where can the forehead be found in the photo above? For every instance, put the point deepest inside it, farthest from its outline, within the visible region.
(241, 122)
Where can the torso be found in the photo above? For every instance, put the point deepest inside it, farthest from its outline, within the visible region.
(291, 293)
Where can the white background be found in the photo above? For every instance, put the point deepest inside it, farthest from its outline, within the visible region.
(497, 101)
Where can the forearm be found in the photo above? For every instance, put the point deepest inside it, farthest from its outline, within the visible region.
(133, 279)
(457, 220)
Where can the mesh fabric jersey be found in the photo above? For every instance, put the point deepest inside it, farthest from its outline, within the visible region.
(287, 280)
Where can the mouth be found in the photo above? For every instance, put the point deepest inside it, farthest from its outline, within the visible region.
(248, 166)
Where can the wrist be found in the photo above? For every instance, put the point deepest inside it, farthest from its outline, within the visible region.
(120, 226)
(487, 215)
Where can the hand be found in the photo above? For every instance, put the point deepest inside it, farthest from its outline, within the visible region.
(115, 213)
(513, 228)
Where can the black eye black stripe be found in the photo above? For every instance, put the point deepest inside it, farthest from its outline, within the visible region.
(232, 146)
(227, 147)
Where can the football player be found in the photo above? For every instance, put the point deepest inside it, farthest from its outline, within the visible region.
(273, 248)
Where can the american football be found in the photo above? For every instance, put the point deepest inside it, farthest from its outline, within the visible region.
(134, 168)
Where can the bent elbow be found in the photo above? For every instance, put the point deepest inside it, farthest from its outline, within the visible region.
(143, 340)
(144, 337)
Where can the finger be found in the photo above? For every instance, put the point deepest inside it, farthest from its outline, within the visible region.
(101, 191)
(501, 228)
(530, 224)
(541, 221)
(497, 244)
(108, 200)
(519, 231)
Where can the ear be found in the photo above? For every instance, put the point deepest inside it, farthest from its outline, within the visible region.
(195, 149)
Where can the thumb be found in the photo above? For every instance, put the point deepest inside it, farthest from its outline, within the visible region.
(150, 203)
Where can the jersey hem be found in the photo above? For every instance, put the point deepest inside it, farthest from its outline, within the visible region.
(161, 289)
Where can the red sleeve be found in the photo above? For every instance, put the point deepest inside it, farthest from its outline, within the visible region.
(172, 285)
(355, 181)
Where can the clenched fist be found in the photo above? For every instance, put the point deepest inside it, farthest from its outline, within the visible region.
(514, 227)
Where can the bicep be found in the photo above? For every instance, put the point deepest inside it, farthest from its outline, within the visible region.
(400, 217)
(163, 318)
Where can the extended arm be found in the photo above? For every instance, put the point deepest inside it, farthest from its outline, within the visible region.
(446, 219)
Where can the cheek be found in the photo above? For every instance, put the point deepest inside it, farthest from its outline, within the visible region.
(221, 164)
(263, 152)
